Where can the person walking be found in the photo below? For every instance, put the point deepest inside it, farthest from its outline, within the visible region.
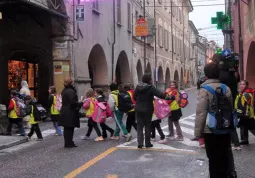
(131, 121)
(244, 104)
(12, 115)
(118, 115)
(69, 113)
(176, 112)
(53, 109)
(218, 146)
(144, 96)
(25, 91)
(99, 94)
(89, 107)
(30, 109)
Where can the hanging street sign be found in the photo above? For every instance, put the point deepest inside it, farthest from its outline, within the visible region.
(80, 13)
(141, 27)
(226, 52)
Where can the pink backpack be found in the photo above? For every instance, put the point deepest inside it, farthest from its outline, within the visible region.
(59, 102)
(100, 112)
(161, 109)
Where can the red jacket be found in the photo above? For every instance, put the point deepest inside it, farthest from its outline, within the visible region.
(11, 105)
(174, 93)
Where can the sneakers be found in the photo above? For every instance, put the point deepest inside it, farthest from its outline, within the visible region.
(237, 148)
(85, 138)
(115, 138)
(128, 137)
(178, 139)
(162, 141)
(153, 139)
(39, 139)
(98, 139)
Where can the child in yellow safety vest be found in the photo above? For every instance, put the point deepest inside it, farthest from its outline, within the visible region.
(30, 109)
(54, 112)
(13, 117)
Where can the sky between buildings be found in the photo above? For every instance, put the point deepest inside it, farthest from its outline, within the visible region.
(201, 17)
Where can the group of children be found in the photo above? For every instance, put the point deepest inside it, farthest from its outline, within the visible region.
(31, 110)
(97, 95)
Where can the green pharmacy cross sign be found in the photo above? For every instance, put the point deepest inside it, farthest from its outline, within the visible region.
(221, 20)
(219, 51)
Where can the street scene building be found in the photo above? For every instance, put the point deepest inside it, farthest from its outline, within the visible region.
(77, 96)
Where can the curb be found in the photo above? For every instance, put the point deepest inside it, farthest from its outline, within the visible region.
(14, 143)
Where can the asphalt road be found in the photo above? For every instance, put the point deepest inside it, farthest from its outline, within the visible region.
(112, 159)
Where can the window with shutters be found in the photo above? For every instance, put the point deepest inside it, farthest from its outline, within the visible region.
(166, 40)
(160, 42)
(95, 5)
(170, 41)
(129, 16)
(163, 37)
(119, 11)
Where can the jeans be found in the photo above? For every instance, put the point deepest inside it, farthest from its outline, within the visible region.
(35, 128)
(92, 124)
(235, 139)
(219, 153)
(156, 125)
(171, 125)
(131, 121)
(143, 121)
(18, 122)
(106, 128)
(54, 119)
(246, 126)
(68, 136)
(119, 123)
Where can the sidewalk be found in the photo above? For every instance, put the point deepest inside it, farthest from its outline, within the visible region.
(9, 141)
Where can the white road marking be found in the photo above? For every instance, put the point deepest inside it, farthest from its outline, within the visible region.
(188, 123)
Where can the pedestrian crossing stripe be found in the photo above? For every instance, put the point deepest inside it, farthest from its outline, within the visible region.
(187, 125)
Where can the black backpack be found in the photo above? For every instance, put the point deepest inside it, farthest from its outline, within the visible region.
(39, 112)
(124, 102)
(221, 118)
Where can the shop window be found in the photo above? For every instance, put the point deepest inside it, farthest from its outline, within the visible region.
(22, 70)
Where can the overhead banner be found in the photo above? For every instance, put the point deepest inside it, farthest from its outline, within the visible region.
(80, 13)
(141, 27)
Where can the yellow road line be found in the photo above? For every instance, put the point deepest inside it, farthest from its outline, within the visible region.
(158, 150)
(90, 163)
(111, 176)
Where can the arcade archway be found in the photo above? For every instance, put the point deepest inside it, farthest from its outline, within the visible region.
(97, 64)
(168, 78)
(123, 74)
(250, 72)
(139, 70)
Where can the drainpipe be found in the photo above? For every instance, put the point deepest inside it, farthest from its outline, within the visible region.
(240, 42)
(114, 39)
(155, 46)
(172, 32)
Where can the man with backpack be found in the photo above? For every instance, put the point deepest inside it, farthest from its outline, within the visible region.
(215, 122)
(118, 106)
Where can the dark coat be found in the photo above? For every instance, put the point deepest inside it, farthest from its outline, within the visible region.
(69, 114)
(144, 96)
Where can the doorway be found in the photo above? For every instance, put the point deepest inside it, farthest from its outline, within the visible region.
(22, 70)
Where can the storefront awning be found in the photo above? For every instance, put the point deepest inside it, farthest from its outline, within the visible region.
(37, 4)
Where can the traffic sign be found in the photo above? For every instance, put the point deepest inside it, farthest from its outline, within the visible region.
(226, 52)
(141, 28)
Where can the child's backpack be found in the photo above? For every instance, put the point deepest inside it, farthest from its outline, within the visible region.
(20, 108)
(100, 111)
(39, 112)
(183, 102)
(244, 105)
(221, 118)
(161, 109)
(125, 103)
(59, 102)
